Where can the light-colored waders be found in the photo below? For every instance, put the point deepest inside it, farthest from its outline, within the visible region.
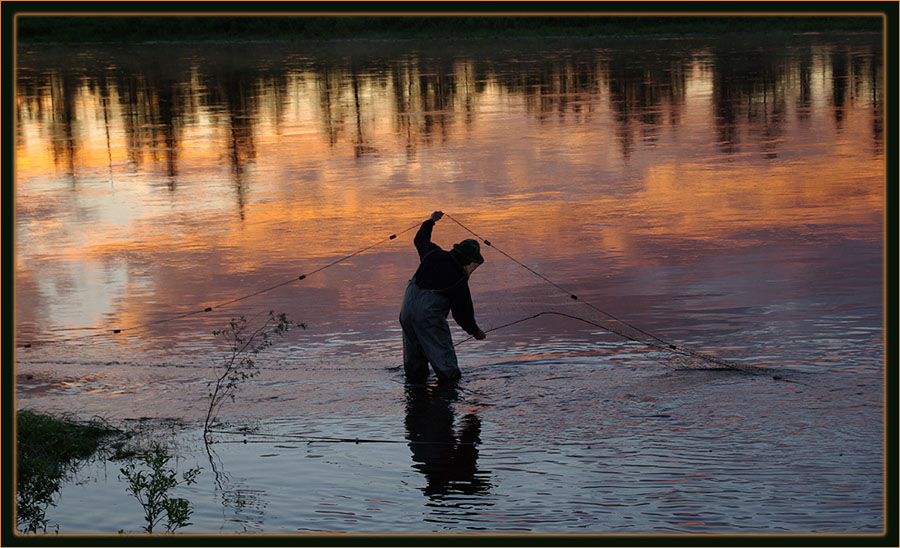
(426, 335)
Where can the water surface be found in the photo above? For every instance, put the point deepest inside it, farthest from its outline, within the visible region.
(726, 194)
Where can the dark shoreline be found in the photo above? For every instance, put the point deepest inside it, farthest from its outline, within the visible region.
(100, 29)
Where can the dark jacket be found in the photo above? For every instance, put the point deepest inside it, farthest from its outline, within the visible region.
(440, 272)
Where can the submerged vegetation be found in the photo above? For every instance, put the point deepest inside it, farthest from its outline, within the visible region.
(239, 365)
(38, 28)
(48, 449)
(152, 489)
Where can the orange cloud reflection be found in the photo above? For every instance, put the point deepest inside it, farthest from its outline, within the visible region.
(245, 179)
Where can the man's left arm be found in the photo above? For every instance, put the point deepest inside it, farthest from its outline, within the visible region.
(464, 312)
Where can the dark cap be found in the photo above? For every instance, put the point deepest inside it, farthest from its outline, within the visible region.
(468, 251)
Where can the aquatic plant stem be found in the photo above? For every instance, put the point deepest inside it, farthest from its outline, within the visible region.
(239, 366)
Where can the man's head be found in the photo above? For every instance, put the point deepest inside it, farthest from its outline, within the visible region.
(468, 254)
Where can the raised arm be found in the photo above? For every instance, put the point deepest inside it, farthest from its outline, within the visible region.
(422, 240)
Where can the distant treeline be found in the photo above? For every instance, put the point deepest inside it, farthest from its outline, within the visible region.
(305, 27)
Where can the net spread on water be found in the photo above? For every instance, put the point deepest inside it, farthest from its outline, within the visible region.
(664, 352)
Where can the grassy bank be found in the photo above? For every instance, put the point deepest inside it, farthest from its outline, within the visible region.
(48, 448)
(40, 29)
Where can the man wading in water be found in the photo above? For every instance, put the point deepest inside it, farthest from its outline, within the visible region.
(439, 286)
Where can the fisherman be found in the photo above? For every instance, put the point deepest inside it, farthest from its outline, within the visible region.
(439, 286)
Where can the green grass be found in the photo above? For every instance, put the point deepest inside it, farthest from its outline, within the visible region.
(58, 437)
(47, 449)
(42, 29)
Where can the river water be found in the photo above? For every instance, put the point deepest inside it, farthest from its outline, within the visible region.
(724, 194)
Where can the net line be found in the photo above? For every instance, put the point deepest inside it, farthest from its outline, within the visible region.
(671, 354)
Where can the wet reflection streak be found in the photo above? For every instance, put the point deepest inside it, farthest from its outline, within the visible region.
(447, 458)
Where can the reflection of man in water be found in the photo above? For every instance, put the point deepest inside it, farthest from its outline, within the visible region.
(440, 285)
(445, 457)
